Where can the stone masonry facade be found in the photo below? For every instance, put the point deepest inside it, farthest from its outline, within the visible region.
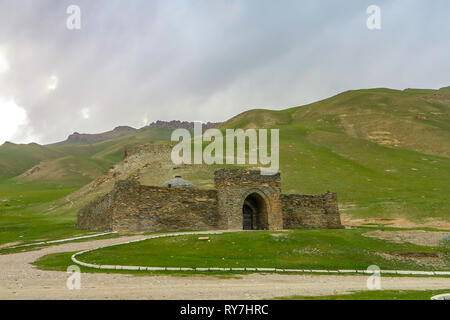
(242, 199)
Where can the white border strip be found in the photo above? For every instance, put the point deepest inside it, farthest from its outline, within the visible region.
(61, 240)
(143, 268)
(445, 296)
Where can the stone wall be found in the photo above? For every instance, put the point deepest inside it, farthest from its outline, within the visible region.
(138, 208)
(234, 186)
(306, 212)
(98, 214)
(132, 207)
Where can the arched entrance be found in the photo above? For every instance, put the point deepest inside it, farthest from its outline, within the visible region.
(254, 212)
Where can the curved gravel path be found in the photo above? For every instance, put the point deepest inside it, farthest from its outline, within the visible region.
(20, 280)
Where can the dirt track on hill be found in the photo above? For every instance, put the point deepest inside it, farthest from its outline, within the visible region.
(20, 280)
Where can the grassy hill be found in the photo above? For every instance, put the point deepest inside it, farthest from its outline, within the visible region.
(385, 152)
(412, 119)
(70, 163)
(16, 159)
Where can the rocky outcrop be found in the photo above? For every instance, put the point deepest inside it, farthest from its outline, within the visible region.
(176, 124)
(125, 130)
(89, 138)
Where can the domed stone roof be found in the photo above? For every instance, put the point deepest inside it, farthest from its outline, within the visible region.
(178, 182)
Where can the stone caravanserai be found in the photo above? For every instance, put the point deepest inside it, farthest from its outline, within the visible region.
(242, 199)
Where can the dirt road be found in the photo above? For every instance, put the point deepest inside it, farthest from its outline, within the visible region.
(20, 280)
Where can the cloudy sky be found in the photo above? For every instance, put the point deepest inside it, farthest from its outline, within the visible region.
(134, 62)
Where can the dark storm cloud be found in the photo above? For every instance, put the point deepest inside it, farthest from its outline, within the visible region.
(206, 60)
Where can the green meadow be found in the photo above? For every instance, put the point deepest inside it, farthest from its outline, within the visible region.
(25, 213)
(296, 249)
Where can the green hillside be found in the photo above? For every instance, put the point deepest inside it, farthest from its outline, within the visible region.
(17, 158)
(413, 119)
(70, 163)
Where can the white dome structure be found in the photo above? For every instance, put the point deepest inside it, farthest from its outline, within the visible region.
(178, 182)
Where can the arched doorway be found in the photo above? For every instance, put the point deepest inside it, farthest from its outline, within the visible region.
(254, 212)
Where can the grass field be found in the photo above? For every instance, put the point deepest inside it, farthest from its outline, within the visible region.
(25, 215)
(375, 295)
(301, 249)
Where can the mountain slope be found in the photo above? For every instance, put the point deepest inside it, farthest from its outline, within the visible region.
(72, 162)
(412, 119)
(16, 158)
(89, 154)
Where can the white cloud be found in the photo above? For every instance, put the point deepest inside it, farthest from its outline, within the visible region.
(11, 118)
(52, 83)
(86, 113)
